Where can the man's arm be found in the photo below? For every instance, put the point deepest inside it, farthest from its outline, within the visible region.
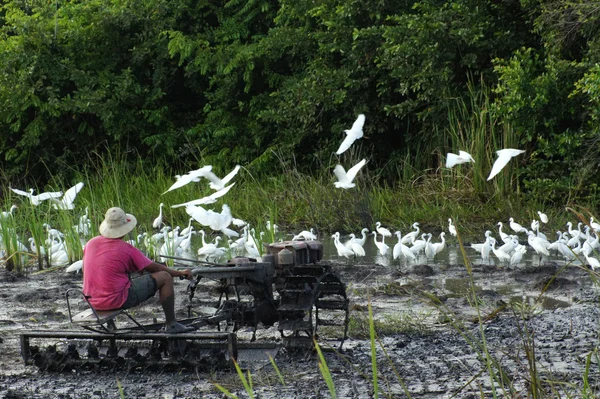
(159, 267)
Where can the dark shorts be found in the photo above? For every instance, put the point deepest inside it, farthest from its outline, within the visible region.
(141, 289)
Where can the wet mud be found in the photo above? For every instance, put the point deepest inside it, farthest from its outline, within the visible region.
(435, 333)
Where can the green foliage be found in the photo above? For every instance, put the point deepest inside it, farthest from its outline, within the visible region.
(258, 82)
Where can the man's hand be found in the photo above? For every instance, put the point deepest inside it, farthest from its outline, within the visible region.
(187, 273)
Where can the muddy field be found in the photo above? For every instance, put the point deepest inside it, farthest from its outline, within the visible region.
(427, 322)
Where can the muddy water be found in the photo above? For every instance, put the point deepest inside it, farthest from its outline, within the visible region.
(429, 329)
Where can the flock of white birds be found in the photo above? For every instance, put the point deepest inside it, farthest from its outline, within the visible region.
(177, 242)
(573, 244)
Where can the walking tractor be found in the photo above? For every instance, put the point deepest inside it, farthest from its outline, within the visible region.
(288, 290)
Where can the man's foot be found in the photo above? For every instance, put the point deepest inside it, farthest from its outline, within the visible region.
(176, 328)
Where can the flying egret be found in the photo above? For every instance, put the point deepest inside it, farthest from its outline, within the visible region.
(210, 199)
(159, 219)
(37, 199)
(543, 217)
(67, 200)
(219, 184)
(212, 219)
(352, 134)
(345, 178)
(192, 176)
(503, 157)
(462, 157)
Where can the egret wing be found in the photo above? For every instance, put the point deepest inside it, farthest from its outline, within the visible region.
(199, 214)
(466, 156)
(48, 195)
(451, 160)
(231, 174)
(499, 164)
(341, 175)
(345, 144)
(357, 126)
(17, 191)
(71, 193)
(354, 170)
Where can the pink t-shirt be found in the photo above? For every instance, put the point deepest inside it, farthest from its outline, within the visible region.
(106, 266)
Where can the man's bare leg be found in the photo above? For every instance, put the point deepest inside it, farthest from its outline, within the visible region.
(164, 284)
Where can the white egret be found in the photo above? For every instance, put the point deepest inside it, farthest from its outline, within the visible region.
(429, 248)
(68, 199)
(382, 230)
(345, 178)
(451, 227)
(593, 262)
(37, 199)
(75, 267)
(192, 176)
(381, 246)
(412, 236)
(500, 254)
(212, 250)
(34, 247)
(505, 237)
(189, 228)
(510, 246)
(159, 219)
(539, 245)
(418, 245)
(479, 246)
(352, 134)
(593, 224)
(209, 199)
(462, 157)
(363, 238)
(342, 250)
(439, 246)
(238, 222)
(354, 244)
(516, 258)
(543, 217)
(305, 235)
(503, 157)
(401, 249)
(5, 214)
(517, 228)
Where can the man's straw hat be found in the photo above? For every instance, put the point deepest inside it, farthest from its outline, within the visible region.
(117, 223)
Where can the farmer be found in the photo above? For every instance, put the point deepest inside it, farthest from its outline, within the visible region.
(107, 261)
